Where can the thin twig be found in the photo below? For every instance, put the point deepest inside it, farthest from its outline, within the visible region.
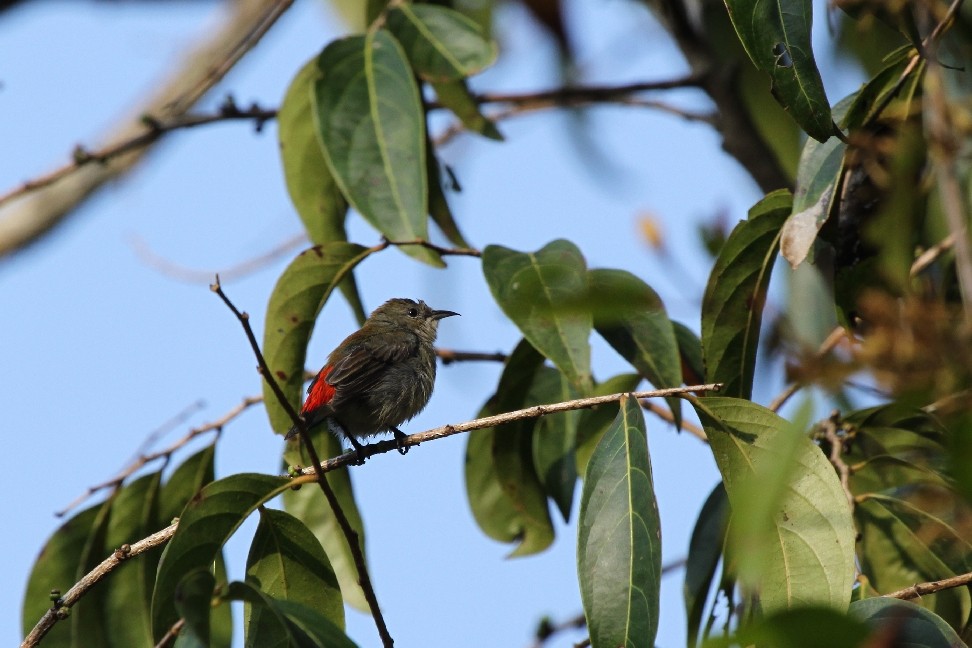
(928, 257)
(61, 607)
(665, 414)
(171, 634)
(584, 94)
(448, 356)
(353, 540)
(143, 459)
(828, 345)
(920, 589)
(435, 248)
(536, 411)
(830, 429)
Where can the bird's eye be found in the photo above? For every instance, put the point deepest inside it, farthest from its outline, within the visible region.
(413, 312)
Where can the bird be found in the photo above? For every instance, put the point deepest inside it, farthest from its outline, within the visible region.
(379, 377)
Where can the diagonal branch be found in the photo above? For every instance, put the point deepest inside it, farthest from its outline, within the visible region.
(920, 589)
(354, 542)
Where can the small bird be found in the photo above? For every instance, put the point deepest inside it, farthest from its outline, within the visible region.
(380, 376)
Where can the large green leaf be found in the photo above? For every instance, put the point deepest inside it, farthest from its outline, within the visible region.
(128, 598)
(87, 623)
(287, 562)
(776, 35)
(532, 288)
(298, 297)
(619, 537)
(295, 625)
(455, 96)
(705, 551)
(193, 602)
(804, 627)
(312, 188)
(732, 307)
(809, 557)
(905, 624)
(207, 522)
(372, 129)
(56, 568)
(439, 208)
(505, 496)
(441, 44)
(639, 329)
(307, 505)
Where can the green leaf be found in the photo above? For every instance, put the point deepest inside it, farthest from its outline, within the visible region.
(531, 287)
(287, 562)
(193, 601)
(441, 44)
(372, 129)
(732, 307)
(207, 522)
(619, 537)
(455, 96)
(296, 625)
(894, 556)
(811, 559)
(298, 297)
(57, 568)
(905, 624)
(128, 599)
(186, 480)
(705, 551)
(438, 205)
(808, 627)
(690, 354)
(594, 422)
(554, 438)
(639, 330)
(315, 195)
(776, 36)
(503, 514)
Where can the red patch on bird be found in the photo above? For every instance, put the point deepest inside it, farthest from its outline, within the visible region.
(321, 392)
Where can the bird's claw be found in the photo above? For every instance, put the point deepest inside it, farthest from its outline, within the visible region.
(400, 441)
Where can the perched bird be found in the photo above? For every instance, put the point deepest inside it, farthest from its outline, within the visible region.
(380, 376)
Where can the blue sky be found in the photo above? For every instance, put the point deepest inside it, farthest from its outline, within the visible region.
(101, 348)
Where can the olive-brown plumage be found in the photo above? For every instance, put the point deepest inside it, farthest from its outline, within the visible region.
(380, 376)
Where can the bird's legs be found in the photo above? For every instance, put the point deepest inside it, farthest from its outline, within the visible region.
(400, 438)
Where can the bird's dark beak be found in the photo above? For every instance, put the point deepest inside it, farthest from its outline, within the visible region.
(440, 314)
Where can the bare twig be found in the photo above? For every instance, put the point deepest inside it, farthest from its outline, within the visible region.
(928, 257)
(60, 608)
(143, 459)
(191, 275)
(435, 248)
(171, 634)
(490, 421)
(665, 414)
(448, 356)
(830, 429)
(920, 589)
(353, 540)
(48, 204)
(828, 345)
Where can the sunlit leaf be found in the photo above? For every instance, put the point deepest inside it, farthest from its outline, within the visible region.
(207, 522)
(531, 287)
(594, 422)
(287, 562)
(619, 537)
(803, 627)
(811, 560)
(732, 307)
(776, 36)
(441, 44)
(372, 128)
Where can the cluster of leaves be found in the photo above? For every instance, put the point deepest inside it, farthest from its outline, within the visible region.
(810, 522)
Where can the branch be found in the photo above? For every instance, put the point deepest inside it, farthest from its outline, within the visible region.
(142, 459)
(666, 415)
(52, 200)
(449, 356)
(350, 535)
(381, 447)
(920, 589)
(830, 429)
(62, 605)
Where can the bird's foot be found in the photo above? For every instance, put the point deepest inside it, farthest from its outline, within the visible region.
(359, 451)
(400, 440)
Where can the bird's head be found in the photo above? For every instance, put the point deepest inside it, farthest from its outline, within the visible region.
(413, 315)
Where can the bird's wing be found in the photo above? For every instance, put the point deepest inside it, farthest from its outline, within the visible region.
(362, 367)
